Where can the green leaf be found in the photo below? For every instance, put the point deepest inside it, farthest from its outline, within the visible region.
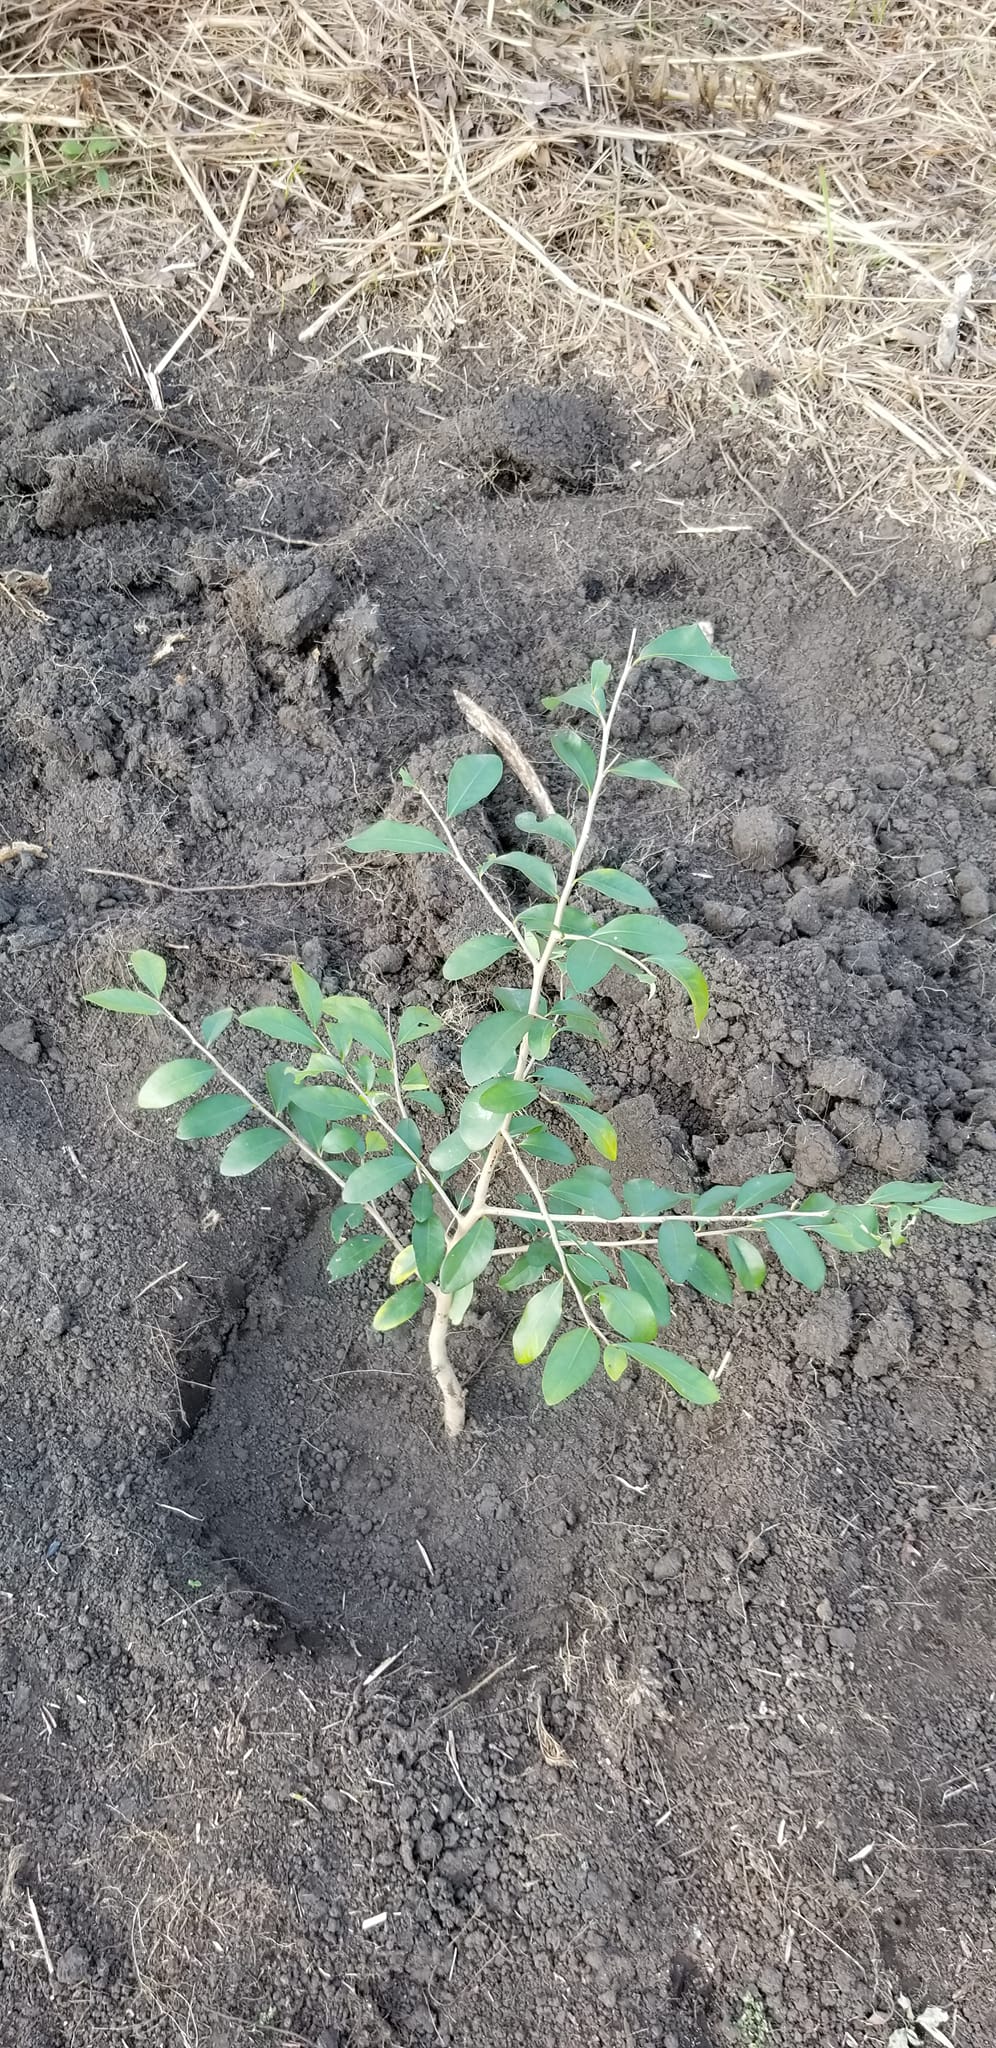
(541, 1144)
(308, 993)
(687, 1380)
(127, 1000)
(209, 1118)
(477, 1126)
(529, 1266)
(460, 1303)
(708, 1275)
(474, 955)
(71, 149)
(449, 1155)
(576, 754)
(653, 938)
(408, 1135)
(561, 1081)
(645, 1198)
(401, 1307)
(325, 1100)
(361, 1021)
(600, 674)
(587, 1189)
(618, 887)
(577, 1021)
(537, 1323)
(491, 1045)
(507, 1096)
(848, 1227)
(691, 648)
(712, 1201)
(645, 1278)
(540, 1033)
(353, 1253)
(214, 1024)
(339, 1139)
(283, 1025)
(615, 1359)
(915, 1191)
(402, 1265)
(250, 1150)
(173, 1083)
(693, 981)
(417, 1022)
(748, 1265)
(678, 1248)
(763, 1187)
(794, 1250)
(377, 1177)
(588, 963)
(392, 836)
(589, 1269)
(150, 970)
(537, 871)
(344, 1217)
(310, 1127)
(951, 1211)
(629, 1312)
(471, 779)
(582, 697)
(467, 1259)
(571, 1362)
(422, 1203)
(553, 827)
(429, 1246)
(597, 1128)
(645, 771)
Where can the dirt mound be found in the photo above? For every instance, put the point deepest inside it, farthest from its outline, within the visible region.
(625, 1722)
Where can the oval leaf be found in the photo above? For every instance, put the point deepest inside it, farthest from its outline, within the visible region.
(173, 1083)
(491, 1045)
(691, 648)
(353, 1253)
(474, 955)
(628, 1312)
(401, 1307)
(763, 1187)
(377, 1177)
(214, 1024)
(283, 1025)
(466, 1259)
(952, 1211)
(646, 1279)
(677, 1245)
(507, 1096)
(308, 993)
(553, 827)
(391, 835)
(429, 1246)
(417, 1022)
(471, 779)
(537, 1323)
(215, 1114)
(748, 1265)
(694, 983)
(537, 871)
(571, 1362)
(794, 1250)
(597, 1128)
(150, 970)
(615, 1359)
(687, 1380)
(127, 1000)
(619, 888)
(249, 1150)
(645, 771)
(709, 1276)
(578, 756)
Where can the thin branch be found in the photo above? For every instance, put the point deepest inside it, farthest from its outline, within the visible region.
(537, 1192)
(472, 875)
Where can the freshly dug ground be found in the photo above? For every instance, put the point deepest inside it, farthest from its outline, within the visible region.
(617, 1724)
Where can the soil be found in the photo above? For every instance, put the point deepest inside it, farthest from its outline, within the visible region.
(620, 1723)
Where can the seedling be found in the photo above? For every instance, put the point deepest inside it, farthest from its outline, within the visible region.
(501, 1192)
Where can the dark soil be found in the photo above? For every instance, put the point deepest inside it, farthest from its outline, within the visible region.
(618, 1724)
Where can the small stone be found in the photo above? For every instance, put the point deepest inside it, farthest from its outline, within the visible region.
(819, 1159)
(864, 958)
(902, 1149)
(73, 1967)
(975, 905)
(849, 1080)
(804, 913)
(668, 1566)
(985, 1137)
(55, 1323)
(430, 1845)
(761, 839)
(844, 1640)
(724, 920)
(840, 892)
(20, 1039)
(824, 1612)
(982, 625)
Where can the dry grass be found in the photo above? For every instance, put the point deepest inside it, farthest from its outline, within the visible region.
(757, 213)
